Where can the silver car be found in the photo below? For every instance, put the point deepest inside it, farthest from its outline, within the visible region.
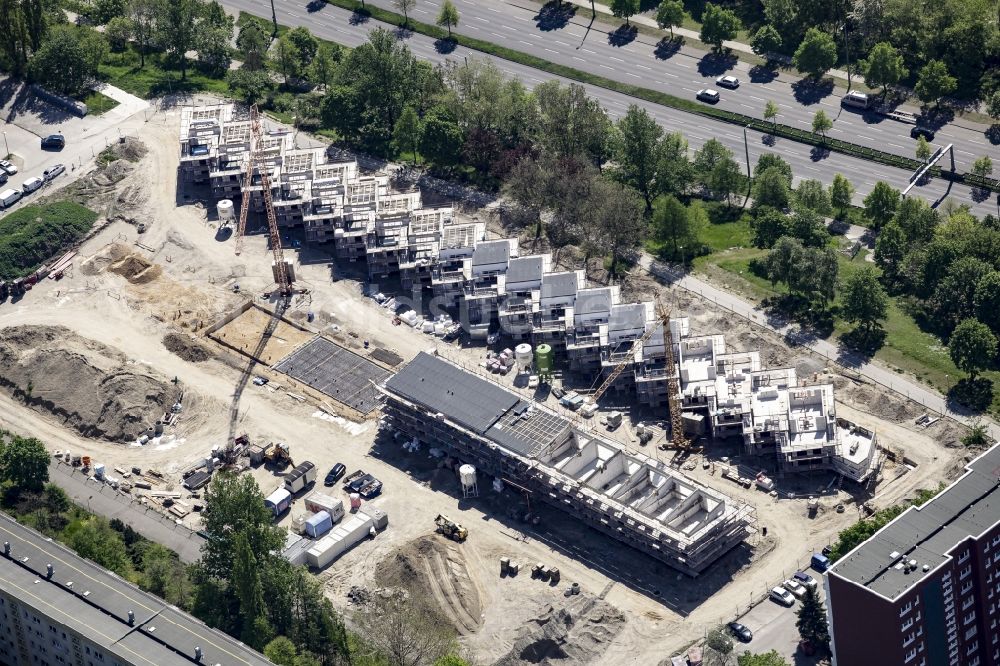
(8, 167)
(709, 95)
(782, 596)
(728, 81)
(53, 171)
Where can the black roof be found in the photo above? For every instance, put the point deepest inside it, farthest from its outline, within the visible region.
(491, 252)
(462, 397)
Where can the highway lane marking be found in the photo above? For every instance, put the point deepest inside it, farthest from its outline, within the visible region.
(497, 34)
(756, 99)
(614, 58)
(480, 18)
(648, 69)
(745, 106)
(578, 58)
(551, 50)
(895, 145)
(492, 9)
(673, 76)
(635, 75)
(524, 42)
(560, 43)
(607, 67)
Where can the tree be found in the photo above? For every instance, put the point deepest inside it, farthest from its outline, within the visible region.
(571, 123)
(765, 41)
(177, 22)
(619, 210)
(884, 67)
(324, 65)
(841, 194)
(281, 651)
(234, 506)
(934, 82)
(285, 58)
(768, 226)
(770, 189)
(403, 631)
(25, 463)
(816, 54)
(249, 589)
(811, 194)
(405, 6)
(118, 31)
(406, 134)
(625, 9)
(972, 347)
(638, 137)
(95, 540)
(954, 297)
(821, 123)
(923, 150)
(67, 62)
(865, 300)
(142, 15)
(249, 85)
(670, 13)
(987, 300)
(769, 160)
(982, 166)
(253, 43)
(440, 138)
(993, 105)
(771, 112)
(808, 226)
(719, 640)
(305, 47)
(881, 203)
(214, 54)
(673, 223)
(718, 25)
(674, 171)
(771, 658)
(448, 16)
(917, 220)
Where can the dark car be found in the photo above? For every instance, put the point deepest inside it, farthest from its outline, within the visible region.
(919, 131)
(3, 177)
(335, 473)
(741, 632)
(54, 141)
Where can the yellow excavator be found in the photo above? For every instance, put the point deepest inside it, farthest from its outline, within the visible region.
(451, 529)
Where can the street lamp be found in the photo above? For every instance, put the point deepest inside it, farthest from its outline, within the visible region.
(7, 148)
(847, 50)
(746, 147)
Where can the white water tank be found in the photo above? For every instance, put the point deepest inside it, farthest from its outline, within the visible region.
(226, 211)
(467, 475)
(523, 357)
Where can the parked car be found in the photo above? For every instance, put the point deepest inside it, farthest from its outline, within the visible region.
(32, 184)
(336, 472)
(558, 391)
(708, 95)
(802, 578)
(53, 171)
(794, 587)
(3, 177)
(9, 168)
(54, 142)
(9, 197)
(741, 631)
(728, 81)
(782, 596)
(919, 131)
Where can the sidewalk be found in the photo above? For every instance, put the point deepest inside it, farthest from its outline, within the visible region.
(887, 378)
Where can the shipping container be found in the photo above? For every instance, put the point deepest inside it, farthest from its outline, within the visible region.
(300, 477)
(318, 524)
(343, 537)
(278, 501)
(322, 502)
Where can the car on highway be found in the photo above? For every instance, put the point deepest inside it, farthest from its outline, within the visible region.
(794, 587)
(858, 100)
(334, 475)
(32, 184)
(919, 131)
(782, 596)
(728, 81)
(54, 141)
(53, 171)
(741, 631)
(802, 578)
(709, 95)
(9, 168)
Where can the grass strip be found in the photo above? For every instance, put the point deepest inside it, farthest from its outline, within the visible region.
(661, 98)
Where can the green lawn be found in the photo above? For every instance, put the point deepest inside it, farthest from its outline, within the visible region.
(34, 234)
(98, 103)
(155, 78)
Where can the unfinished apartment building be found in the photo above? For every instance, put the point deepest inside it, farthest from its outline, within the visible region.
(635, 499)
(365, 218)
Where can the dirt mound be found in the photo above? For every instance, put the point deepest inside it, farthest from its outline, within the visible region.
(90, 387)
(576, 632)
(186, 348)
(434, 569)
(136, 269)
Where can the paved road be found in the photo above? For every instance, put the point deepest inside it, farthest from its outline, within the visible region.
(334, 24)
(105, 501)
(919, 393)
(517, 24)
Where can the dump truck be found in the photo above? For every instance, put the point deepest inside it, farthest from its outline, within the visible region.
(451, 529)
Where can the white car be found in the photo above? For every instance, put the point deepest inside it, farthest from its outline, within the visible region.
(709, 95)
(8, 167)
(728, 81)
(32, 184)
(782, 596)
(53, 171)
(795, 588)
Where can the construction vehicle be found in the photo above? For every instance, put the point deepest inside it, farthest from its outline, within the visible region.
(278, 454)
(451, 529)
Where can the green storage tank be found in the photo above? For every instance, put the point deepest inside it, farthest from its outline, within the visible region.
(544, 361)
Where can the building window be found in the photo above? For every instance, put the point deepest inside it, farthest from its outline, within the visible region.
(971, 617)
(963, 557)
(964, 573)
(970, 633)
(911, 655)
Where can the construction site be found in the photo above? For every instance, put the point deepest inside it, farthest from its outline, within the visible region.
(566, 470)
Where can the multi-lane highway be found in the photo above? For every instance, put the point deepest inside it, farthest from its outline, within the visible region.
(335, 24)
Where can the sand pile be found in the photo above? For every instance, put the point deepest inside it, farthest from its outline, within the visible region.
(576, 632)
(136, 269)
(186, 348)
(87, 385)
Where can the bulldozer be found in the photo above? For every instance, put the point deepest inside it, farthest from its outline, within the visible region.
(451, 529)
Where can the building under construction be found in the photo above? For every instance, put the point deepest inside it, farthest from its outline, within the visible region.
(637, 500)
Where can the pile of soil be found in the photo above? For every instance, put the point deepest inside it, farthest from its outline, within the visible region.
(433, 570)
(136, 269)
(87, 385)
(576, 632)
(186, 348)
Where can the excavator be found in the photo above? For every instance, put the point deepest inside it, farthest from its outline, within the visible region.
(451, 529)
